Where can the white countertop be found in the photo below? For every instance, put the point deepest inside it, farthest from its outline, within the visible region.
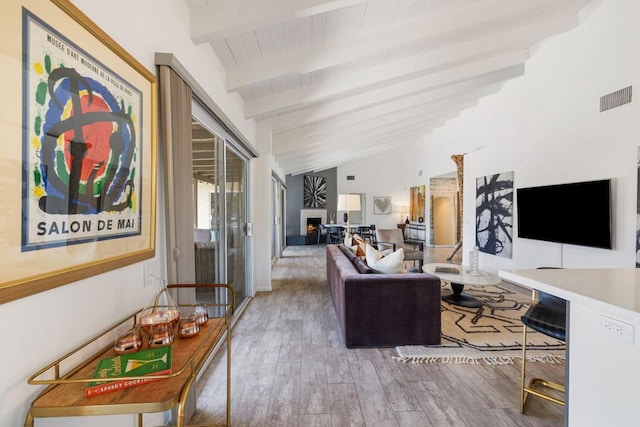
(615, 290)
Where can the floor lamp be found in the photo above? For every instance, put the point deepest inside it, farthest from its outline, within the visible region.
(348, 203)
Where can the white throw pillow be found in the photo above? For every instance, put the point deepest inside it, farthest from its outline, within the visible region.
(392, 263)
(372, 254)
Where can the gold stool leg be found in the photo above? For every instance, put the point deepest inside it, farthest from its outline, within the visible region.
(526, 390)
(523, 393)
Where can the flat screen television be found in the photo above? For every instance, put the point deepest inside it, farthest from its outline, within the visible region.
(578, 213)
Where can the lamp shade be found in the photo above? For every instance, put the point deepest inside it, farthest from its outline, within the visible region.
(348, 202)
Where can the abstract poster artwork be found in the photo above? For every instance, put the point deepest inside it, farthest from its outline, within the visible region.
(82, 167)
(494, 214)
(315, 191)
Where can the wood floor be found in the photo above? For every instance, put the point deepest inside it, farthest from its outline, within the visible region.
(290, 368)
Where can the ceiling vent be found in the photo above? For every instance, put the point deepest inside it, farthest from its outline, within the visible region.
(351, 177)
(615, 99)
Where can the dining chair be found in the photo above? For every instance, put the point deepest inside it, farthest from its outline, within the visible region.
(335, 235)
(322, 231)
(365, 232)
(394, 239)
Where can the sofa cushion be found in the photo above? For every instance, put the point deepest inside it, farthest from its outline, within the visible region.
(392, 263)
(356, 243)
(348, 252)
(362, 266)
(358, 263)
(357, 240)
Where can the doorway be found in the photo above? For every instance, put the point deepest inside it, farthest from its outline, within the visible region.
(443, 210)
(444, 227)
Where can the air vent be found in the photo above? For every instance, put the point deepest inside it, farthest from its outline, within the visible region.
(351, 177)
(615, 99)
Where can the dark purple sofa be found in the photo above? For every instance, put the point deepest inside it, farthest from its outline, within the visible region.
(382, 310)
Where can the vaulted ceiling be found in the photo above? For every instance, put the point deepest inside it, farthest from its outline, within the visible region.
(342, 80)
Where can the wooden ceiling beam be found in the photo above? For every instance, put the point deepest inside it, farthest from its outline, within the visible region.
(225, 18)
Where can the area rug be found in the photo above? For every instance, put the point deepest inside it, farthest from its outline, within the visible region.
(491, 334)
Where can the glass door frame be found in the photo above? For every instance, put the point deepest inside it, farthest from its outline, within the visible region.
(246, 226)
(278, 217)
(207, 120)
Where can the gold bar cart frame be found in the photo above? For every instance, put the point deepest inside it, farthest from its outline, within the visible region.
(64, 394)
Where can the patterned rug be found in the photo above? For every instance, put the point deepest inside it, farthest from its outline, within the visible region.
(491, 334)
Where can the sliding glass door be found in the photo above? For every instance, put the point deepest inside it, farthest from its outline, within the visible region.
(236, 221)
(278, 197)
(220, 177)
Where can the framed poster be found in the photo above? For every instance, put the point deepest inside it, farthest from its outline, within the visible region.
(79, 160)
(381, 205)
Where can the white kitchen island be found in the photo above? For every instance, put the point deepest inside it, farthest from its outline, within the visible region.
(603, 353)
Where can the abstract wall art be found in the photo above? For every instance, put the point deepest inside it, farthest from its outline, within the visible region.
(494, 214)
(416, 203)
(315, 191)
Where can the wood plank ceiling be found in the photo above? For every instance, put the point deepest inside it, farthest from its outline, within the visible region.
(342, 80)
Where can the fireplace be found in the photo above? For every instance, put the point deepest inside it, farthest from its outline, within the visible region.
(311, 213)
(310, 220)
(313, 225)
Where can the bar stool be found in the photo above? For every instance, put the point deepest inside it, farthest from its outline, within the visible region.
(547, 315)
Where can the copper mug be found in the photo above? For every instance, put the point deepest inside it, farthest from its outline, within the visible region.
(201, 315)
(128, 339)
(160, 334)
(189, 325)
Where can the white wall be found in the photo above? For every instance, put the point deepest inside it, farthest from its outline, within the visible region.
(380, 176)
(546, 127)
(42, 327)
(261, 187)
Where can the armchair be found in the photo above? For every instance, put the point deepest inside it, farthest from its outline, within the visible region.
(393, 238)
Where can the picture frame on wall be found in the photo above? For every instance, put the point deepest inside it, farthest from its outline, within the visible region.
(417, 196)
(381, 205)
(79, 163)
(314, 191)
